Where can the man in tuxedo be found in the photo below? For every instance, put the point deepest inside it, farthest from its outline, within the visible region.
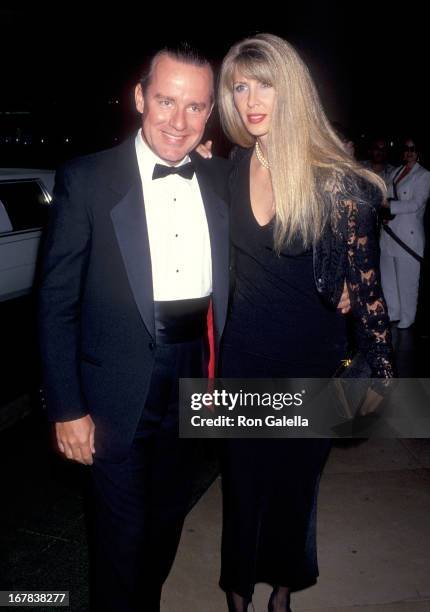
(136, 247)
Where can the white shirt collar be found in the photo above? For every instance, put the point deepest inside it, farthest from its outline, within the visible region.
(147, 158)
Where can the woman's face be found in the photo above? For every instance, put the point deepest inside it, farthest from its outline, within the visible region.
(410, 154)
(254, 102)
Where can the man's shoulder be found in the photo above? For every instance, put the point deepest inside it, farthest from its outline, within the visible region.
(221, 162)
(215, 164)
(98, 162)
(215, 171)
(220, 167)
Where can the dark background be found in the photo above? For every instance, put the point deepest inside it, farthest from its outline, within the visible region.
(68, 72)
(63, 69)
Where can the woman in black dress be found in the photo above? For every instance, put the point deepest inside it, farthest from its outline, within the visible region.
(303, 217)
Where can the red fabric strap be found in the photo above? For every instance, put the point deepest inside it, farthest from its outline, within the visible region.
(210, 324)
(403, 173)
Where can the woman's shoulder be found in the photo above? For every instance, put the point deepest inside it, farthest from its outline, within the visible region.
(239, 174)
(351, 200)
(238, 154)
(354, 191)
(363, 189)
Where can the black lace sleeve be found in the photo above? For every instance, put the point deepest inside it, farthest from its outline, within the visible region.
(360, 221)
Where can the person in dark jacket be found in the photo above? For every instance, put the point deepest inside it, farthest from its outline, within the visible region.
(136, 246)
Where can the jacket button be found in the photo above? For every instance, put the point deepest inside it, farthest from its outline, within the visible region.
(151, 346)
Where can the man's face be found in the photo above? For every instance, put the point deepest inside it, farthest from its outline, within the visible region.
(379, 151)
(175, 107)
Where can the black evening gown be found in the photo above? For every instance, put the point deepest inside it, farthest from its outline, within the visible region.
(277, 328)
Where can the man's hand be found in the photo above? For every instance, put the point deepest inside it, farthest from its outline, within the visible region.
(344, 303)
(386, 202)
(385, 213)
(205, 150)
(76, 439)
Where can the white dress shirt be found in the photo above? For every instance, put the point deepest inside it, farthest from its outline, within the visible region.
(177, 229)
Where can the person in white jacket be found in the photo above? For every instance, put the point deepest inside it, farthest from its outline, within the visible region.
(408, 192)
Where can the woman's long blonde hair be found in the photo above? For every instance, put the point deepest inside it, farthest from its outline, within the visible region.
(301, 144)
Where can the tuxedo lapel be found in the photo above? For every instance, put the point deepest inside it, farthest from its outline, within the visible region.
(129, 221)
(217, 218)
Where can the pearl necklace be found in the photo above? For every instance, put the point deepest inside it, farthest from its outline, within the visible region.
(263, 161)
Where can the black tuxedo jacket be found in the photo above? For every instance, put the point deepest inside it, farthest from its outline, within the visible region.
(96, 315)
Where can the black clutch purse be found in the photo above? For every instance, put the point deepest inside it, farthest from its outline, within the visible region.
(351, 383)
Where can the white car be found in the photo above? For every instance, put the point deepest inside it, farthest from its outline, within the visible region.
(25, 195)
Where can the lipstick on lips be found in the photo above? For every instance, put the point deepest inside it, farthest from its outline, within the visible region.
(256, 118)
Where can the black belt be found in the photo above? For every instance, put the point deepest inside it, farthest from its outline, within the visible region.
(404, 246)
(180, 320)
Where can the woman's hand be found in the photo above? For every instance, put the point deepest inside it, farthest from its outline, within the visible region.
(344, 303)
(205, 150)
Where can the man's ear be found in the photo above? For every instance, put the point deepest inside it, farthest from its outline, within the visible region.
(139, 98)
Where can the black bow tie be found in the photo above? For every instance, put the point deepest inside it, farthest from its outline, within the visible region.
(186, 171)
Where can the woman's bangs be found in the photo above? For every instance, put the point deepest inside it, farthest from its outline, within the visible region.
(254, 67)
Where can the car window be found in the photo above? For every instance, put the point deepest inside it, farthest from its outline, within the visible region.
(25, 204)
(5, 224)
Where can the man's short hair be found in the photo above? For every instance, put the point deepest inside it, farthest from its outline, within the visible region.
(184, 52)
